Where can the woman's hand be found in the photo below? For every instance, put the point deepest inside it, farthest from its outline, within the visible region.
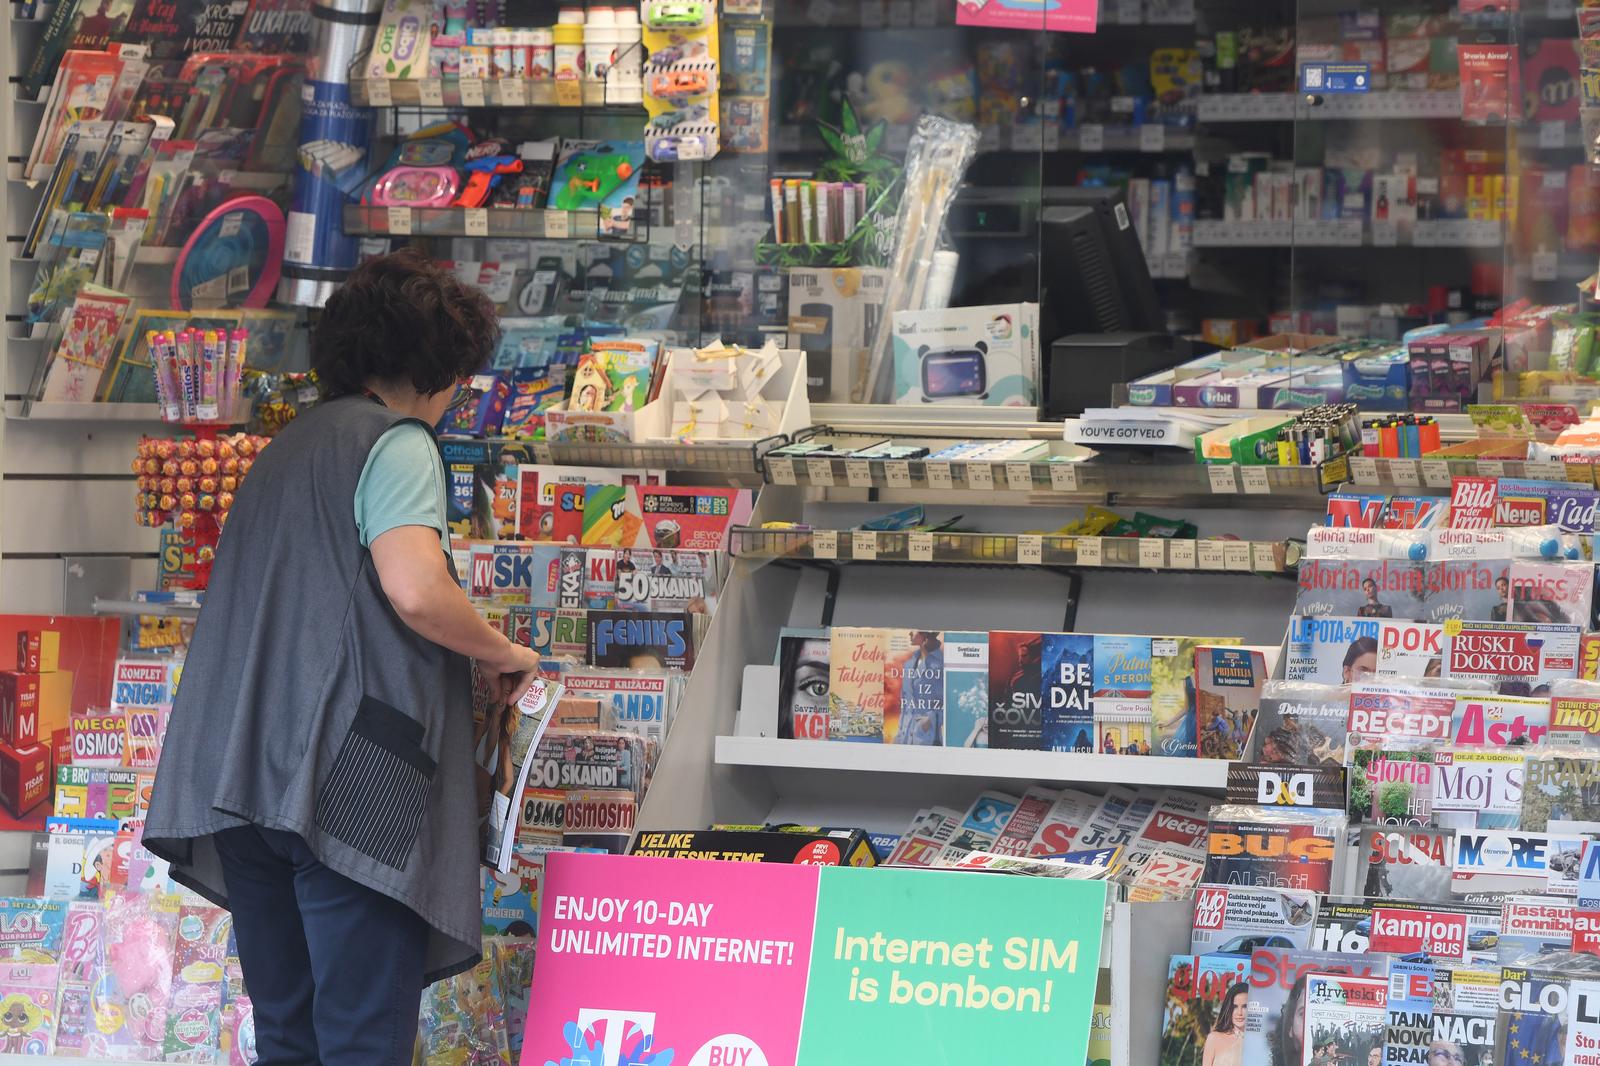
(511, 673)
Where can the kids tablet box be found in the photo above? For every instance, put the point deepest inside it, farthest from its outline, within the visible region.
(968, 355)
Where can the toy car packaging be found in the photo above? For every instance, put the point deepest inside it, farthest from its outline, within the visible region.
(680, 79)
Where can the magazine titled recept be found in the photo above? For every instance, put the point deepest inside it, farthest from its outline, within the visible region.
(1393, 715)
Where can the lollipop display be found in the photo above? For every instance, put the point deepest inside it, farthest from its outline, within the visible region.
(191, 483)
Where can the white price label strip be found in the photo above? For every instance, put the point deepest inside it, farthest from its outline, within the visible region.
(1091, 551)
(1255, 480)
(858, 473)
(1152, 552)
(1436, 473)
(1223, 478)
(1030, 549)
(825, 543)
(1404, 472)
(1236, 555)
(980, 476)
(781, 467)
(819, 471)
(513, 92)
(400, 221)
(1180, 554)
(1019, 477)
(542, 453)
(1211, 555)
(921, 547)
(897, 472)
(378, 93)
(477, 222)
(557, 225)
(938, 475)
(1491, 468)
(472, 93)
(1091, 138)
(1262, 557)
(1064, 477)
(1363, 470)
(1547, 470)
(864, 544)
(431, 93)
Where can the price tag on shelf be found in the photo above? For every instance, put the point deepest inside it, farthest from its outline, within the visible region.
(472, 93)
(1152, 137)
(900, 14)
(1553, 134)
(1363, 470)
(864, 544)
(1180, 554)
(1385, 233)
(858, 473)
(1236, 555)
(1404, 472)
(542, 452)
(1210, 555)
(1091, 552)
(1030, 549)
(1436, 473)
(938, 475)
(477, 221)
(1019, 477)
(825, 543)
(819, 471)
(781, 467)
(1263, 559)
(1052, 137)
(1546, 469)
(1223, 478)
(897, 472)
(400, 221)
(872, 14)
(1559, 9)
(1152, 552)
(921, 547)
(431, 93)
(1064, 477)
(1255, 480)
(514, 92)
(557, 225)
(820, 11)
(927, 13)
(980, 476)
(1027, 137)
(1544, 266)
(1130, 12)
(1491, 468)
(379, 93)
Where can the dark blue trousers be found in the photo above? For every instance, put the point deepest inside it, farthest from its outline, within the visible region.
(333, 968)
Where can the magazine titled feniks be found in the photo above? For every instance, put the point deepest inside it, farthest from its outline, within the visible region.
(508, 740)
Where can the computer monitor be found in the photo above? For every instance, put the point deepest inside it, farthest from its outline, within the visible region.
(1092, 277)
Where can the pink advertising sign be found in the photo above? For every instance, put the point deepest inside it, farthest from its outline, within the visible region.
(1060, 16)
(716, 956)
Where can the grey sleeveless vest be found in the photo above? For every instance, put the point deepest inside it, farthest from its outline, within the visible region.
(307, 705)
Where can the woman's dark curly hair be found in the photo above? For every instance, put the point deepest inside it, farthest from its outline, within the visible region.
(403, 318)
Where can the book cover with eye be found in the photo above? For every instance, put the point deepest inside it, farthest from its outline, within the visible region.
(803, 678)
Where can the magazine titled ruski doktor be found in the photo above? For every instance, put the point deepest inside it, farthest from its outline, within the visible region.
(507, 743)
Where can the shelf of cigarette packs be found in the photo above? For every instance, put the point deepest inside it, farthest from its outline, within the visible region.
(365, 220)
(1435, 476)
(1014, 549)
(1048, 472)
(587, 95)
(735, 462)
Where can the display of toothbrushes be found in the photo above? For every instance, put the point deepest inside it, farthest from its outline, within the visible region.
(681, 79)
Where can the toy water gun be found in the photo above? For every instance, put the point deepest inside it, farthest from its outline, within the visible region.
(483, 175)
(595, 176)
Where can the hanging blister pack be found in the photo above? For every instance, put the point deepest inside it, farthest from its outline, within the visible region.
(681, 81)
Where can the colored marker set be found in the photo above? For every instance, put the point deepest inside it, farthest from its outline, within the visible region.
(198, 373)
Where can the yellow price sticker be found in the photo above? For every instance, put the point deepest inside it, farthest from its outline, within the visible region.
(1452, 627)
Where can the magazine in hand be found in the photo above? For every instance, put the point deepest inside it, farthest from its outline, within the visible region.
(512, 735)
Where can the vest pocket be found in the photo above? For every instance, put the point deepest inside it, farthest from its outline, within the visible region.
(376, 796)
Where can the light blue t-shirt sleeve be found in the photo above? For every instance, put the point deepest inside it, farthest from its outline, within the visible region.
(401, 485)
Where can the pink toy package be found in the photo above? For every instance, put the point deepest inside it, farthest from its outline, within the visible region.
(135, 983)
(81, 950)
(194, 1014)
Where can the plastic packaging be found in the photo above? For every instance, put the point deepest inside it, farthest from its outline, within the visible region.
(568, 47)
(599, 42)
(541, 53)
(625, 79)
